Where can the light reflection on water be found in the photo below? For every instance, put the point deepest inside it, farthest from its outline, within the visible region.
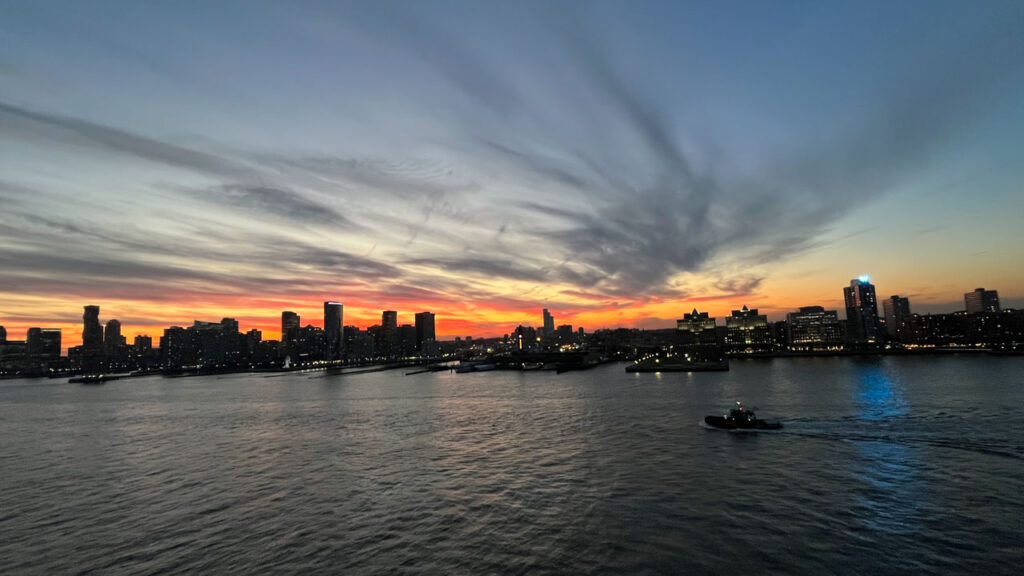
(889, 491)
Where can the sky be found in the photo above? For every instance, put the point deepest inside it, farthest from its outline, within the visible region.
(619, 163)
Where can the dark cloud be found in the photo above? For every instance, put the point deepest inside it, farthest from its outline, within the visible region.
(736, 286)
(278, 202)
(481, 265)
(20, 123)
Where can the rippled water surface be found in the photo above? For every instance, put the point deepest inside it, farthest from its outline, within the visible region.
(885, 465)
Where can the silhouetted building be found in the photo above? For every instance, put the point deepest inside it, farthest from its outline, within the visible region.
(861, 310)
(310, 346)
(115, 346)
(549, 324)
(334, 341)
(359, 344)
(13, 355)
(175, 348)
(112, 334)
(940, 329)
(92, 331)
(406, 341)
(3, 335)
(251, 342)
(290, 324)
(215, 344)
(142, 351)
(897, 317)
(92, 340)
(43, 344)
(748, 331)
(524, 338)
(424, 329)
(388, 333)
(564, 333)
(813, 327)
(143, 344)
(981, 300)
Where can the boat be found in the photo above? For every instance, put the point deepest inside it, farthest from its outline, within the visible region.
(93, 379)
(475, 367)
(739, 418)
(677, 363)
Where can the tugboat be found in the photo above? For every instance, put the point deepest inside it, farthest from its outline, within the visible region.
(739, 418)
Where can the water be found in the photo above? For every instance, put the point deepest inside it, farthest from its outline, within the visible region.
(885, 465)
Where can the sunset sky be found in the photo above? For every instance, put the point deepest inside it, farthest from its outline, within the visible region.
(619, 163)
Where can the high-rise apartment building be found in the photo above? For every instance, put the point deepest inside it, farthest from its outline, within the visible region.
(112, 335)
(861, 310)
(424, 329)
(549, 324)
(981, 300)
(92, 332)
(388, 333)
(897, 317)
(290, 324)
(333, 315)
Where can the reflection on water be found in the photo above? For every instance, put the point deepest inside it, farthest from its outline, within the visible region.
(876, 397)
(886, 466)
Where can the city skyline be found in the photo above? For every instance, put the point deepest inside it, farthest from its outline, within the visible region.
(389, 321)
(616, 164)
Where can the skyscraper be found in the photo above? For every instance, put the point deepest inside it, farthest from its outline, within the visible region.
(92, 332)
(112, 335)
(549, 324)
(333, 313)
(424, 329)
(981, 300)
(92, 340)
(289, 326)
(897, 315)
(3, 335)
(388, 333)
(861, 310)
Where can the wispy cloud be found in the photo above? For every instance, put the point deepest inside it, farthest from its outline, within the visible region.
(21, 123)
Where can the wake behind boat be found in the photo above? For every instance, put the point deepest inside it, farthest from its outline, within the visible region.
(739, 418)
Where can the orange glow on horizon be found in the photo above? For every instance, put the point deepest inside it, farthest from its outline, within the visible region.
(463, 318)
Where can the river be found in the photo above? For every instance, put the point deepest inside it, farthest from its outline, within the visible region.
(886, 465)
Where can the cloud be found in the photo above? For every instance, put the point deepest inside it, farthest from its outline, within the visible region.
(278, 202)
(17, 122)
(486, 266)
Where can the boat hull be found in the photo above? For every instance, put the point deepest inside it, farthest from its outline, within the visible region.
(725, 423)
